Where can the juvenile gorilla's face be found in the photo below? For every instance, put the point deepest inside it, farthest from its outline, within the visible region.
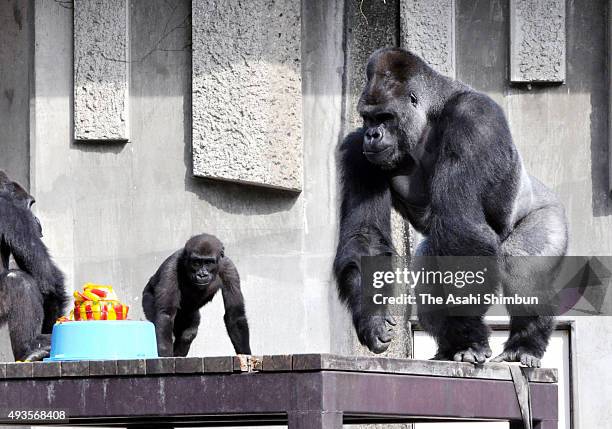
(391, 106)
(203, 268)
(201, 259)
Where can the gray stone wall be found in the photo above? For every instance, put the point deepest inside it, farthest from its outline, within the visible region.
(247, 92)
(537, 40)
(101, 65)
(428, 30)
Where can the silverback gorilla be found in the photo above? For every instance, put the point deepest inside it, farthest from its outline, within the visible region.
(442, 154)
(185, 282)
(32, 297)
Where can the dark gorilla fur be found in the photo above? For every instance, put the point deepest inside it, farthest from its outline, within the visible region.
(442, 154)
(33, 296)
(184, 283)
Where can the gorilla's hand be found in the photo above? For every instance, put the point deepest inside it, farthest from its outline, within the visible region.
(376, 332)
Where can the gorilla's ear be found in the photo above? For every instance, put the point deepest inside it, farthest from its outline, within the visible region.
(222, 252)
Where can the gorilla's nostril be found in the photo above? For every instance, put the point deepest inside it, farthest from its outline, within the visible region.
(374, 134)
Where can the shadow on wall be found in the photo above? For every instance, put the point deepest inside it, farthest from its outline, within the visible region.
(588, 73)
(600, 153)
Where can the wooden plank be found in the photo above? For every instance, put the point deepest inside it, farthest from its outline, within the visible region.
(216, 364)
(46, 370)
(230, 398)
(131, 367)
(275, 363)
(75, 368)
(19, 370)
(102, 367)
(492, 371)
(189, 365)
(164, 365)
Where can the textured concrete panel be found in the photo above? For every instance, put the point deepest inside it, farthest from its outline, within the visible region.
(537, 40)
(427, 28)
(247, 102)
(100, 70)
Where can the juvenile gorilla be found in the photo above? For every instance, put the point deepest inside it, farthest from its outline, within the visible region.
(442, 154)
(184, 283)
(33, 296)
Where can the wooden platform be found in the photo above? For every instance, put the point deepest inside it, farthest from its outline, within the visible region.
(305, 391)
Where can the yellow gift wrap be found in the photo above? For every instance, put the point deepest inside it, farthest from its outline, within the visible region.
(96, 302)
(100, 310)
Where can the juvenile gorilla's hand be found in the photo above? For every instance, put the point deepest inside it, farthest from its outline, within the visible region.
(376, 332)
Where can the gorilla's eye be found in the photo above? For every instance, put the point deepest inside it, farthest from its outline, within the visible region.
(381, 118)
(413, 99)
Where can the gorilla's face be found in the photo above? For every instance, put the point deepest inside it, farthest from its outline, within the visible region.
(202, 268)
(392, 108)
(201, 257)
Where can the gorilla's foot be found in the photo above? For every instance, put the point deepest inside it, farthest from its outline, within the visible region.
(376, 332)
(476, 353)
(524, 357)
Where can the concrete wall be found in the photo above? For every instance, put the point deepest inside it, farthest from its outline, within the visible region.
(113, 212)
(247, 92)
(101, 68)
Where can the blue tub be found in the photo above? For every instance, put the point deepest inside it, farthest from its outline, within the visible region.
(103, 340)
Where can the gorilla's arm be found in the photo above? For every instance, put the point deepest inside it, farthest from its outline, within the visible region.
(160, 301)
(235, 318)
(186, 326)
(476, 153)
(365, 230)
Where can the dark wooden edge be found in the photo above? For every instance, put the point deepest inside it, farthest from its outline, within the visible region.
(492, 371)
(270, 363)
